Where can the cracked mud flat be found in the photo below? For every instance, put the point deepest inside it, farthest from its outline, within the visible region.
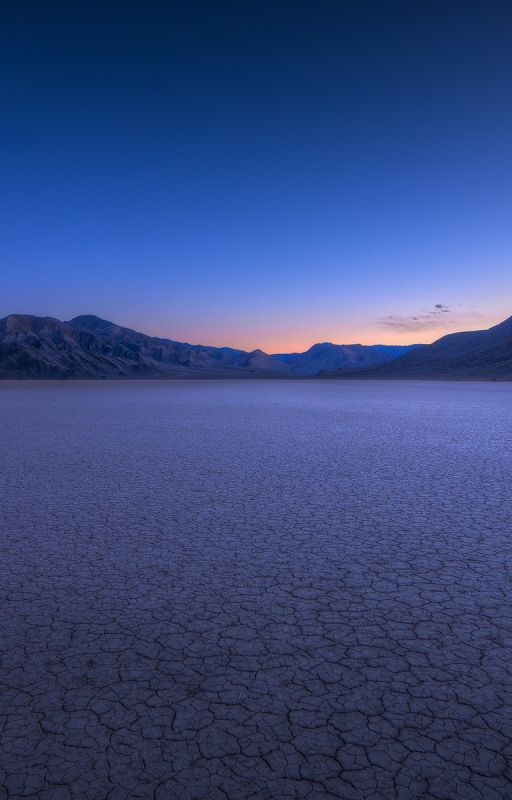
(256, 590)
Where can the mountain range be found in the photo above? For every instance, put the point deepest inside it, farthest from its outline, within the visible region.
(470, 355)
(90, 347)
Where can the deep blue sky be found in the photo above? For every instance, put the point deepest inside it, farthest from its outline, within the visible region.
(259, 173)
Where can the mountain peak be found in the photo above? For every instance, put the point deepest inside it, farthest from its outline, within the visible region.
(28, 322)
(90, 322)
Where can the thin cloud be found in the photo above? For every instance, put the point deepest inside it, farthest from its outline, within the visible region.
(440, 315)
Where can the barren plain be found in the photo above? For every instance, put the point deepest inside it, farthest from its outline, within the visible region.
(256, 590)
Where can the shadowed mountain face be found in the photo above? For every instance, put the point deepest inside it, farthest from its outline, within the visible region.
(475, 355)
(90, 347)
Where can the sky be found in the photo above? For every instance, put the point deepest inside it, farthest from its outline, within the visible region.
(258, 174)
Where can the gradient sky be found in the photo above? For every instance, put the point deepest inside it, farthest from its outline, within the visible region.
(259, 174)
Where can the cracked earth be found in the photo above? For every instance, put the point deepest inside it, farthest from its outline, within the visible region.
(252, 590)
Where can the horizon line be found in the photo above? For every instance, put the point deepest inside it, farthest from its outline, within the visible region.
(244, 349)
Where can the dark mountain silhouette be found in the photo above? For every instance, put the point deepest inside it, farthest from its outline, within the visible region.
(90, 347)
(478, 355)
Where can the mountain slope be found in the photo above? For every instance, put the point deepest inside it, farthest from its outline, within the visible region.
(485, 354)
(89, 347)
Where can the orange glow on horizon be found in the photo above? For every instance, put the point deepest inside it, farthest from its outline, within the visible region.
(281, 339)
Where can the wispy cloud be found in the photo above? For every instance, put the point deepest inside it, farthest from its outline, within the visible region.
(439, 316)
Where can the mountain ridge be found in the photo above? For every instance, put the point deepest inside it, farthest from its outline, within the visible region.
(88, 346)
(321, 356)
(467, 355)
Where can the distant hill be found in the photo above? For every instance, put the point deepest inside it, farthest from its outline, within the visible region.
(326, 356)
(477, 355)
(90, 347)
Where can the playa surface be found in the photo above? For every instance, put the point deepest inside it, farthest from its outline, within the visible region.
(245, 590)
